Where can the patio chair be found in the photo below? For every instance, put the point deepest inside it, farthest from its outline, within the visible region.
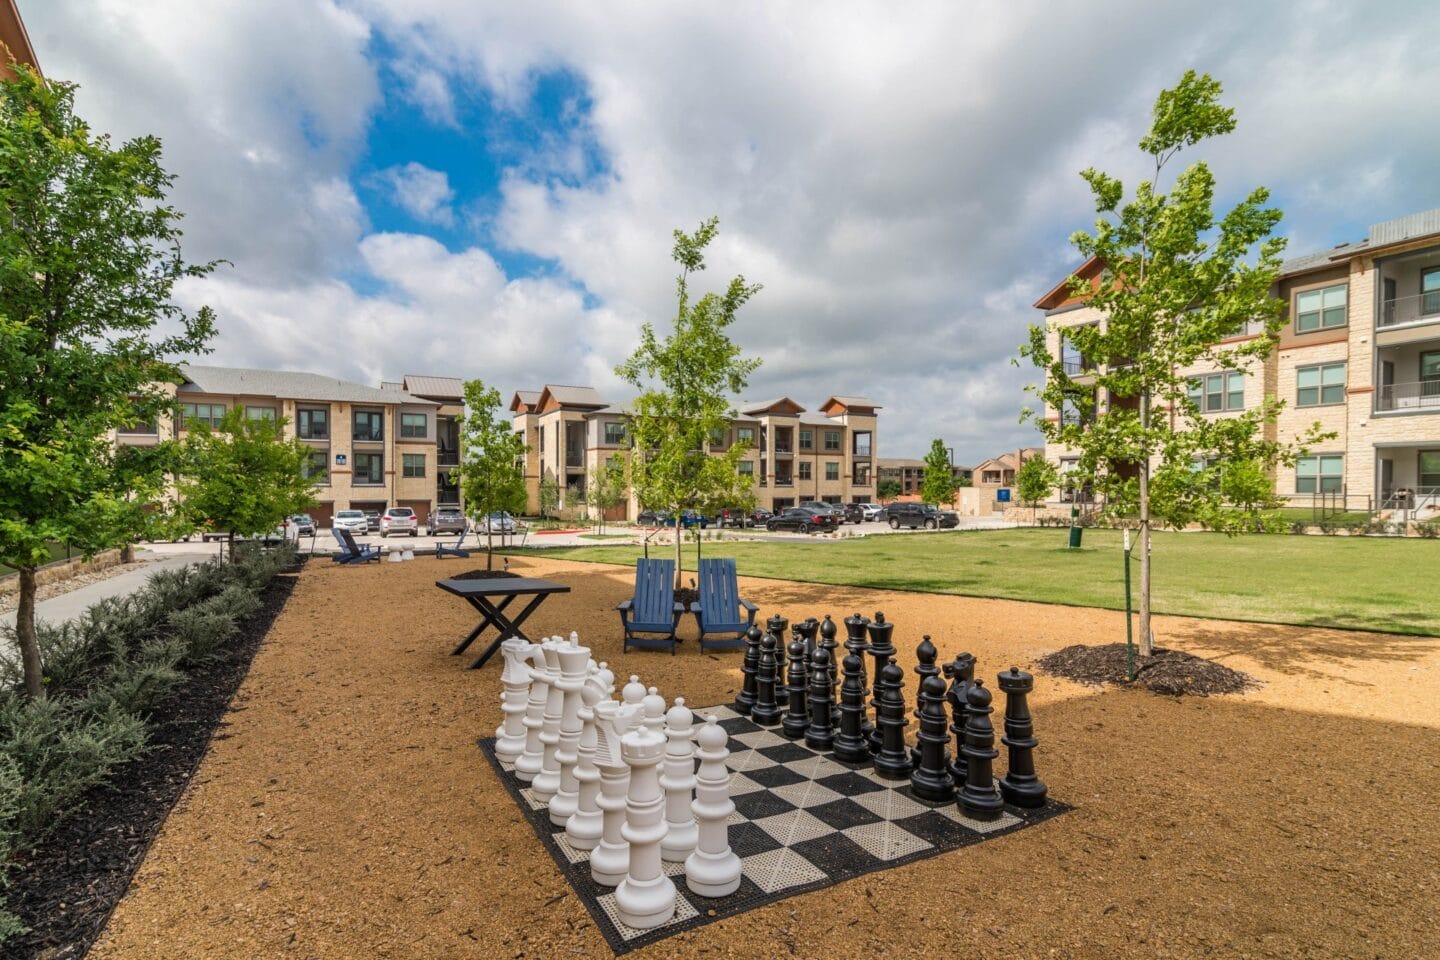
(354, 552)
(458, 550)
(654, 609)
(720, 609)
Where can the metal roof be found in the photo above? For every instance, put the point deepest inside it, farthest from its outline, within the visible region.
(854, 401)
(1412, 226)
(439, 388)
(286, 385)
(570, 396)
(759, 406)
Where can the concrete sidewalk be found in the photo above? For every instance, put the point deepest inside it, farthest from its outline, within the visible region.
(68, 606)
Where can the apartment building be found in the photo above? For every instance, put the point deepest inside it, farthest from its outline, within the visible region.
(1359, 354)
(794, 454)
(910, 473)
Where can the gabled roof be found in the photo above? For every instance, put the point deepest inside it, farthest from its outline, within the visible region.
(14, 38)
(1060, 293)
(524, 398)
(436, 388)
(846, 404)
(780, 406)
(563, 395)
(286, 385)
(820, 420)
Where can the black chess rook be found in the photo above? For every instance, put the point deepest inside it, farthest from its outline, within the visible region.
(1020, 785)
(961, 673)
(797, 717)
(745, 699)
(820, 735)
(882, 650)
(892, 762)
(979, 798)
(766, 711)
(930, 779)
(851, 745)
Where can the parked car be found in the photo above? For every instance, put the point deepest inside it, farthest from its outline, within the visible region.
(372, 521)
(730, 517)
(852, 512)
(353, 520)
(304, 525)
(497, 522)
(399, 520)
(759, 515)
(915, 515)
(447, 520)
(871, 511)
(653, 518)
(802, 520)
(689, 519)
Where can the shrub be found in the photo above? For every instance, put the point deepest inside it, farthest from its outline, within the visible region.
(1299, 526)
(1429, 529)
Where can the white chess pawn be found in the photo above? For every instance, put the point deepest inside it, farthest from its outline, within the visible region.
(634, 691)
(573, 663)
(547, 782)
(611, 857)
(528, 765)
(607, 678)
(646, 897)
(654, 705)
(510, 735)
(678, 782)
(713, 870)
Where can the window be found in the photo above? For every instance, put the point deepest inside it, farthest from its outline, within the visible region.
(368, 469)
(1320, 385)
(209, 414)
(1323, 473)
(746, 468)
(614, 432)
(1430, 469)
(861, 443)
(413, 425)
(1215, 392)
(1429, 291)
(745, 435)
(1430, 371)
(832, 470)
(862, 474)
(259, 413)
(1321, 309)
(807, 439)
(317, 467)
(140, 426)
(313, 424)
(805, 470)
(369, 425)
(412, 464)
(832, 439)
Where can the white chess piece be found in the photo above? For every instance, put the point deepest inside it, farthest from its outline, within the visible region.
(409, 550)
(510, 735)
(646, 897)
(574, 662)
(654, 705)
(392, 555)
(532, 759)
(547, 782)
(634, 691)
(611, 857)
(678, 782)
(713, 870)
(587, 824)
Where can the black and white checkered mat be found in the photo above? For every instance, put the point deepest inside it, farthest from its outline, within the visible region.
(802, 821)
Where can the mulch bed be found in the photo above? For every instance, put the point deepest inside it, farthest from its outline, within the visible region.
(687, 596)
(1171, 673)
(484, 575)
(65, 889)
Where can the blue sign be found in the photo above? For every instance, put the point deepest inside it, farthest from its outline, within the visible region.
(340, 459)
(1003, 494)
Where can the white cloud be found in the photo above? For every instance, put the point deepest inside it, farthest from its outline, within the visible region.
(424, 193)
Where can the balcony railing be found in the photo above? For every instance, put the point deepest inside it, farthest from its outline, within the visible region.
(448, 457)
(573, 459)
(367, 435)
(1417, 395)
(784, 482)
(1412, 309)
(1073, 367)
(784, 449)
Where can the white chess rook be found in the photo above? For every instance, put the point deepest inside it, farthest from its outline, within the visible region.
(611, 858)
(713, 870)
(574, 664)
(547, 782)
(514, 699)
(646, 897)
(587, 824)
(678, 782)
(533, 757)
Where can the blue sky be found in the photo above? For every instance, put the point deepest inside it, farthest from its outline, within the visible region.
(488, 189)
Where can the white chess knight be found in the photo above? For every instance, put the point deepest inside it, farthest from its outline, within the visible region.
(527, 767)
(574, 666)
(587, 824)
(611, 857)
(547, 782)
(514, 699)
(713, 870)
(646, 897)
(678, 782)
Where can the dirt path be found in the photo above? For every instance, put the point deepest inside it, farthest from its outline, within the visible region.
(346, 812)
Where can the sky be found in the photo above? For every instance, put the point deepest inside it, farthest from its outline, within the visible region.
(489, 189)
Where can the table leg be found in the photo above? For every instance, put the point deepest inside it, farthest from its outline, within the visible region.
(508, 628)
(492, 615)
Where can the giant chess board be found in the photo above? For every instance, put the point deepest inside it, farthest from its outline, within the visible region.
(802, 821)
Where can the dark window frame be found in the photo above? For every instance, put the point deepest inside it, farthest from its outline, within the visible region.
(370, 436)
(378, 458)
(305, 423)
(1320, 385)
(406, 429)
(406, 459)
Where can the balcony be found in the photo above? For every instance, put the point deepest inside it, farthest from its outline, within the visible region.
(448, 456)
(1418, 308)
(574, 459)
(1417, 396)
(368, 435)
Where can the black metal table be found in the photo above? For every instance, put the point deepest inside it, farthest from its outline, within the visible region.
(483, 594)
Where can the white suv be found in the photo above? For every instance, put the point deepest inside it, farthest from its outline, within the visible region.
(398, 520)
(352, 520)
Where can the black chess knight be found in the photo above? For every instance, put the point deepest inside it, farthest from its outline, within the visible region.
(961, 673)
(745, 699)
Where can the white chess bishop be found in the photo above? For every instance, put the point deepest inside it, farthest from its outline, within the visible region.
(713, 870)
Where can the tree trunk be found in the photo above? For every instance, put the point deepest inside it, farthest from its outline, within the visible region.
(489, 546)
(230, 539)
(1146, 647)
(25, 634)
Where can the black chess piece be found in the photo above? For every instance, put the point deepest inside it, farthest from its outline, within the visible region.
(828, 630)
(855, 644)
(931, 780)
(820, 735)
(777, 625)
(925, 667)
(882, 649)
(851, 745)
(961, 672)
(892, 762)
(745, 699)
(806, 630)
(766, 711)
(979, 798)
(1020, 786)
(797, 718)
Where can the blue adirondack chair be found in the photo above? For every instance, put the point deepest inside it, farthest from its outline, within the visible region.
(720, 609)
(653, 610)
(352, 552)
(456, 551)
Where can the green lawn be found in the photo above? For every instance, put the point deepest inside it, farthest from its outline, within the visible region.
(1384, 584)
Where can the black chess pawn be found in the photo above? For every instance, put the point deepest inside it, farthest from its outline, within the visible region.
(979, 798)
(820, 735)
(882, 649)
(961, 673)
(855, 644)
(797, 718)
(766, 711)
(851, 745)
(931, 780)
(745, 699)
(892, 762)
(1020, 786)
(925, 667)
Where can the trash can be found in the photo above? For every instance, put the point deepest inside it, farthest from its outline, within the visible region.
(1076, 531)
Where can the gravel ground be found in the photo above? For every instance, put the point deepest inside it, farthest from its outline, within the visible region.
(57, 588)
(345, 811)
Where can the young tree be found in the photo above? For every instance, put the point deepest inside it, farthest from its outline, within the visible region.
(89, 253)
(608, 488)
(549, 495)
(492, 475)
(1177, 282)
(244, 476)
(887, 489)
(938, 484)
(686, 381)
(1034, 481)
